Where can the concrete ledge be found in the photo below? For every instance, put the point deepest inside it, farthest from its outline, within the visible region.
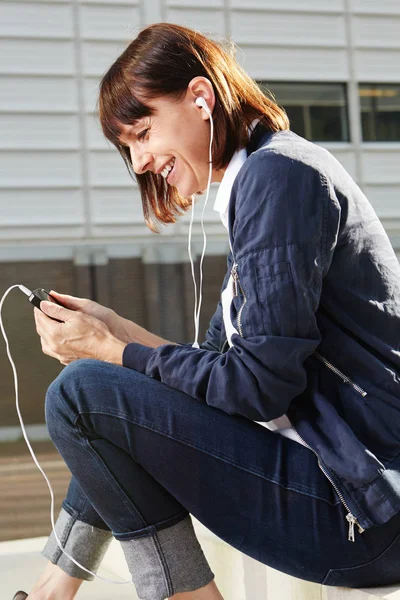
(238, 576)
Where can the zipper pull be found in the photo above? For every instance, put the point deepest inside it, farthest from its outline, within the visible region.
(234, 282)
(352, 520)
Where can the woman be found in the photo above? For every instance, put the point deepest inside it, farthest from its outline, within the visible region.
(280, 432)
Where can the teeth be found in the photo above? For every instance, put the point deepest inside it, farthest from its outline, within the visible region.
(168, 168)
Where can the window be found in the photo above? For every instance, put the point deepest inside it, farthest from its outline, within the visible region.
(317, 111)
(380, 112)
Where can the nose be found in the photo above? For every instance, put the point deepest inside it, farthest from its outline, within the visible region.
(140, 162)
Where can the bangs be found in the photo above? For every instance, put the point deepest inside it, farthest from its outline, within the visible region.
(118, 105)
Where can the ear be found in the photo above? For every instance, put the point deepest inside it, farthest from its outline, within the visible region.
(201, 86)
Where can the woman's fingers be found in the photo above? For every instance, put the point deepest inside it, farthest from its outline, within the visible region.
(70, 301)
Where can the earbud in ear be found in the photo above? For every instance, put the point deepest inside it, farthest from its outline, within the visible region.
(203, 104)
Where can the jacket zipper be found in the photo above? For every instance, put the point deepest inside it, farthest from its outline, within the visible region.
(346, 379)
(236, 285)
(349, 517)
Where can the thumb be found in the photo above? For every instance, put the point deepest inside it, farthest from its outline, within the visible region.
(68, 301)
(55, 311)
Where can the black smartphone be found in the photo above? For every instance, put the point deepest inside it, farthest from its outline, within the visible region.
(41, 294)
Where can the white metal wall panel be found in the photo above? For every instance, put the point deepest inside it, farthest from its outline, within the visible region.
(286, 29)
(205, 4)
(27, 56)
(108, 169)
(60, 178)
(35, 20)
(207, 21)
(381, 32)
(39, 131)
(97, 57)
(20, 169)
(385, 199)
(95, 137)
(348, 159)
(109, 22)
(294, 5)
(112, 2)
(372, 6)
(116, 205)
(381, 167)
(91, 93)
(38, 94)
(378, 66)
(41, 207)
(299, 64)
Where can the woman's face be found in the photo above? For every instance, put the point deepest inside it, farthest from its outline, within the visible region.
(178, 130)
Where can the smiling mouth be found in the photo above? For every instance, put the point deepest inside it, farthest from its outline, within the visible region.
(171, 174)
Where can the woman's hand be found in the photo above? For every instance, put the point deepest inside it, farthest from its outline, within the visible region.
(90, 307)
(79, 335)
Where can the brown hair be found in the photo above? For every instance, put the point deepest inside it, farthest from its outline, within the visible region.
(161, 61)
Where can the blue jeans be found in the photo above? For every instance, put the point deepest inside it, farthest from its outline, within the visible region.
(145, 456)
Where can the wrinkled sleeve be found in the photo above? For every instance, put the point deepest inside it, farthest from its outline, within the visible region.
(285, 225)
(215, 331)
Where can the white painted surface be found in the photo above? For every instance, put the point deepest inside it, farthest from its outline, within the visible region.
(378, 31)
(207, 21)
(261, 27)
(54, 52)
(238, 577)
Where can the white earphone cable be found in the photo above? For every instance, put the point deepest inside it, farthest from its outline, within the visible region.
(31, 450)
(192, 268)
(197, 316)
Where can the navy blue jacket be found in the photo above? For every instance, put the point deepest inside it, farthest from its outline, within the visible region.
(318, 315)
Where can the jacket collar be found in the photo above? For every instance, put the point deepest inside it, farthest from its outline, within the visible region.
(258, 133)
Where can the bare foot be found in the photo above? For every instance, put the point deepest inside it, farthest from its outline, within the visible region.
(55, 584)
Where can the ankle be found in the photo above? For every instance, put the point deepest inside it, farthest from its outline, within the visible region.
(55, 584)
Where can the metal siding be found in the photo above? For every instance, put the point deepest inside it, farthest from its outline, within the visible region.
(97, 57)
(57, 132)
(285, 29)
(53, 54)
(28, 56)
(203, 4)
(109, 22)
(379, 32)
(295, 5)
(381, 168)
(294, 64)
(207, 21)
(35, 94)
(116, 206)
(377, 66)
(21, 169)
(372, 6)
(40, 207)
(35, 20)
(348, 159)
(385, 199)
(107, 168)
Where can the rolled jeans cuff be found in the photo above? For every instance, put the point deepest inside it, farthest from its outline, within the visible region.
(86, 544)
(167, 562)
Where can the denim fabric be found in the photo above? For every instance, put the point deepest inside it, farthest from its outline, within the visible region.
(74, 535)
(144, 456)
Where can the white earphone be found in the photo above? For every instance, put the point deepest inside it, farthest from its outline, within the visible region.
(203, 104)
(197, 306)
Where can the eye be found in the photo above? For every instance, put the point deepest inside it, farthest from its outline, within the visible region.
(143, 134)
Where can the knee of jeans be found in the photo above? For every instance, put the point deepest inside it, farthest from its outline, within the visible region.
(62, 397)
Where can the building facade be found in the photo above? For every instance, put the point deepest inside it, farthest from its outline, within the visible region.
(71, 217)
